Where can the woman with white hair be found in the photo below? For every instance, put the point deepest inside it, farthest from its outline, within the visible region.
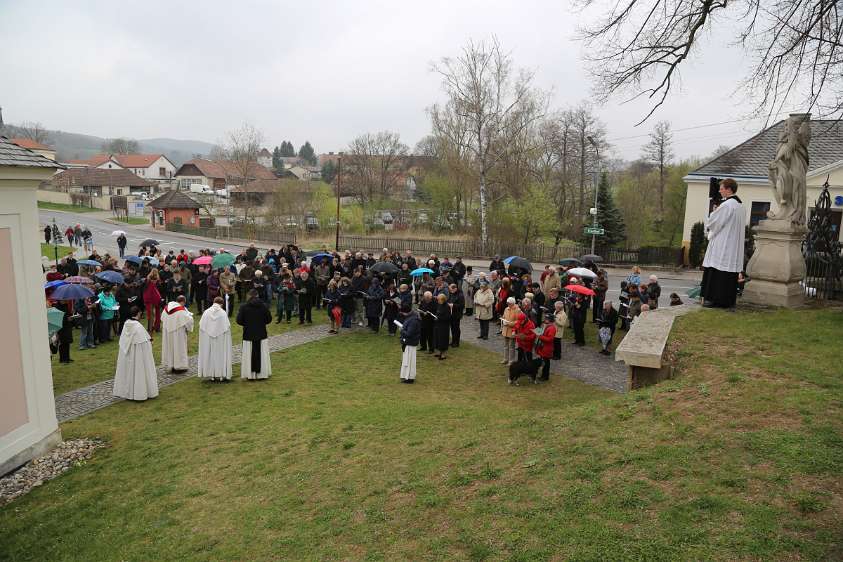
(508, 319)
(654, 291)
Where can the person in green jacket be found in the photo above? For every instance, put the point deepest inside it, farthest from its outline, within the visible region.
(108, 305)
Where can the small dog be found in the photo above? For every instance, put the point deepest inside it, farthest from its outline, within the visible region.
(519, 368)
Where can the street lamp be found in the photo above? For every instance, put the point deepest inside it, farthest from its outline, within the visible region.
(339, 189)
(596, 188)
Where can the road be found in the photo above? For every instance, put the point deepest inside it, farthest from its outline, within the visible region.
(678, 282)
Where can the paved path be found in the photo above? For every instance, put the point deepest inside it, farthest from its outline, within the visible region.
(99, 395)
(581, 363)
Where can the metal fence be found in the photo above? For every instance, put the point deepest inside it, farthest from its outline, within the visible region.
(542, 253)
(277, 236)
(823, 253)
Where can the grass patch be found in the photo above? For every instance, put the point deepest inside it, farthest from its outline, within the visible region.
(50, 251)
(332, 458)
(65, 207)
(95, 365)
(131, 220)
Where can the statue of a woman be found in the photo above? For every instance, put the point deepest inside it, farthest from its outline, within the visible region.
(789, 169)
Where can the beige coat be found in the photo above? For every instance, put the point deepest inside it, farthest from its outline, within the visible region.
(561, 321)
(510, 314)
(550, 282)
(483, 301)
(227, 281)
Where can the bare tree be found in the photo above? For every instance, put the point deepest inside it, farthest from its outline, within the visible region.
(374, 163)
(660, 152)
(489, 105)
(121, 146)
(34, 130)
(639, 46)
(241, 149)
(217, 153)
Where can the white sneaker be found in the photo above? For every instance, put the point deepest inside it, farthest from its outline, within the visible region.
(360, 324)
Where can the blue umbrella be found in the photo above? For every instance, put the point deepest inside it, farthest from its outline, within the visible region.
(518, 262)
(111, 277)
(57, 283)
(319, 257)
(134, 259)
(71, 292)
(420, 271)
(152, 261)
(89, 262)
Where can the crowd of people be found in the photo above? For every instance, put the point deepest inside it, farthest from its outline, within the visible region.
(425, 299)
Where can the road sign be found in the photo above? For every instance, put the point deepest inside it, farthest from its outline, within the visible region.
(592, 230)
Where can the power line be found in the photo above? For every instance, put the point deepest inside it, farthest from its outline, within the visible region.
(696, 127)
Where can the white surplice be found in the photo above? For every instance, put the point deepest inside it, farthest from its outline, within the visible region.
(246, 371)
(408, 363)
(176, 322)
(726, 230)
(214, 344)
(136, 377)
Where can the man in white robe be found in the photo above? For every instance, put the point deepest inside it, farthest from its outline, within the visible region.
(215, 343)
(176, 322)
(136, 377)
(724, 257)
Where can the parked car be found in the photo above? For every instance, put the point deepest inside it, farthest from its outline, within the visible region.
(201, 188)
(311, 223)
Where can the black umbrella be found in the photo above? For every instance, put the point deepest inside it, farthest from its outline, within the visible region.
(150, 242)
(593, 258)
(570, 262)
(517, 262)
(385, 267)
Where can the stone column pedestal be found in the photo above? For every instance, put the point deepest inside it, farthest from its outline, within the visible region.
(777, 266)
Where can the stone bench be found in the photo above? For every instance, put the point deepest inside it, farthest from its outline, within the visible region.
(644, 345)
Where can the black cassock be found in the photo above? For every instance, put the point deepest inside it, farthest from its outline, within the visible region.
(254, 316)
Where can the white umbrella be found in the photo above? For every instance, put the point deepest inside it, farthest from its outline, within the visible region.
(118, 233)
(582, 272)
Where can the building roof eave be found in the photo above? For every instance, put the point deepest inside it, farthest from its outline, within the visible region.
(704, 178)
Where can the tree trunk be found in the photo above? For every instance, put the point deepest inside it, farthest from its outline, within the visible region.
(484, 234)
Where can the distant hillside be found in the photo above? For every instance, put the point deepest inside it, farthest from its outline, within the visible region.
(75, 146)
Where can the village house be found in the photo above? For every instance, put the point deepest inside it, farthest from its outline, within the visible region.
(265, 158)
(217, 174)
(36, 147)
(99, 182)
(748, 164)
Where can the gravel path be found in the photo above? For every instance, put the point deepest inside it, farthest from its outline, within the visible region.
(99, 395)
(581, 363)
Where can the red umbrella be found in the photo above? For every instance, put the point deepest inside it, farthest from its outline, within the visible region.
(581, 289)
(203, 260)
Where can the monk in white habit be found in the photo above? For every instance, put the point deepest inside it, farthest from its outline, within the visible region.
(254, 316)
(136, 377)
(176, 322)
(724, 255)
(215, 343)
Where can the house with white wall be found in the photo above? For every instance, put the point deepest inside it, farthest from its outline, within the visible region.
(748, 164)
(152, 167)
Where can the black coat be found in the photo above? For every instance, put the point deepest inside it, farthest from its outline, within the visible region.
(374, 301)
(608, 320)
(411, 330)
(254, 316)
(442, 327)
(458, 301)
(426, 319)
(346, 300)
(307, 292)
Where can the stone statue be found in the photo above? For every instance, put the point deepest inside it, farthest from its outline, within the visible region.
(789, 168)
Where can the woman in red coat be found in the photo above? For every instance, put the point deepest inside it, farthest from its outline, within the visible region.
(545, 349)
(525, 337)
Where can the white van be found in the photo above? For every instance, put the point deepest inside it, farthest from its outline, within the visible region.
(201, 188)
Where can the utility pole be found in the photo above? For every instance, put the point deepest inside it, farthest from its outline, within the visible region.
(339, 190)
(594, 223)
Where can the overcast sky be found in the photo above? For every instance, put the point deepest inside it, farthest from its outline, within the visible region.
(325, 71)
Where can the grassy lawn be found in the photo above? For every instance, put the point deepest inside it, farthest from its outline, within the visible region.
(740, 457)
(65, 207)
(132, 220)
(94, 365)
(49, 251)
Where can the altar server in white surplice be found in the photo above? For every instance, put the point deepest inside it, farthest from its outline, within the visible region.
(215, 343)
(136, 377)
(176, 322)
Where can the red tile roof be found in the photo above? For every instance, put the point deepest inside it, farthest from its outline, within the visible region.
(95, 177)
(137, 160)
(30, 144)
(227, 169)
(93, 161)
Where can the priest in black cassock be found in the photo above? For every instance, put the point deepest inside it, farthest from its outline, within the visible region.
(254, 316)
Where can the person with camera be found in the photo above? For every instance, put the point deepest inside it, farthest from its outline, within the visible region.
(724, 255)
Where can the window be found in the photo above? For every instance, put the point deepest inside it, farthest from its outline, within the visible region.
(162, 172)
(759, 212)
(177, 220)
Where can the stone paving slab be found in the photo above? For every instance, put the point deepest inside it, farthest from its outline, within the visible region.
(581, 363)
(99, 395)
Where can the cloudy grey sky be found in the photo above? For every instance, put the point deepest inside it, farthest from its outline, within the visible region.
(325, 71)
